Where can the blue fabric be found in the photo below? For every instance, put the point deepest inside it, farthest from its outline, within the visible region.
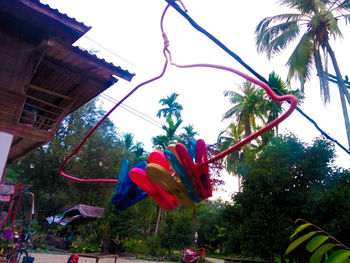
(126, 192)
(123, 171)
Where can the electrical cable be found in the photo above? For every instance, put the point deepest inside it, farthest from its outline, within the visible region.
(278, 98)
(107, 49)
(239, 60)
(133, 109)
(91, 131)
(114, 101)
(167, 55)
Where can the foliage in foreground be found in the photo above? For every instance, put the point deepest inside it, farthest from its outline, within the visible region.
(315, 245)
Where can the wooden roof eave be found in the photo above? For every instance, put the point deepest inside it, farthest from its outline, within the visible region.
(85, 61)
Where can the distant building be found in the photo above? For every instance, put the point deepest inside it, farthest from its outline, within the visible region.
(42, 76)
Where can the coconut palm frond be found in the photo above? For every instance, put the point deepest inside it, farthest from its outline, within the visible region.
(231, 112)
(301, 59)
(347, 18)
(264, 24)
(332, 25)
(160, 142)
(276, 82)
(234, 96)
(275, 38)
(287, 33)
(343, 5)
(305, 6)
(322, 75)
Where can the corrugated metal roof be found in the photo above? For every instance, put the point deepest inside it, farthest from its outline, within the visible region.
(56, 12)
(86, 211)
(118, 71)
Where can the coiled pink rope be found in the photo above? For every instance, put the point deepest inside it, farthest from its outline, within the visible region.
(167, 54)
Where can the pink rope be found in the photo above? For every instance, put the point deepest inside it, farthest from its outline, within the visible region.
(167, 54)
(77, 148)
(290, 98)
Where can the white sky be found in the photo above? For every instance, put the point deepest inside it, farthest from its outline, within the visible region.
(130, 28)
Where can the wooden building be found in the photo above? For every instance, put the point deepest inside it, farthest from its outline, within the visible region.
(42, 76)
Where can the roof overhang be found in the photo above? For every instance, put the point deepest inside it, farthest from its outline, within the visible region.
(35, 21)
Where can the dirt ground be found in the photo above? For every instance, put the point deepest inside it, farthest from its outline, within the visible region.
(62, 258)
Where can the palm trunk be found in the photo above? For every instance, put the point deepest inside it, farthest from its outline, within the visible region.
(195, 218)
(239, 183)
(158, 220)
(343, 92)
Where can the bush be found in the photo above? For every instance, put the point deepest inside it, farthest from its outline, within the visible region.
(39, 242)
(87, 245)
(153, 245)
(136, 246)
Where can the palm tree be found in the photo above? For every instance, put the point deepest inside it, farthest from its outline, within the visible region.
(235, 163)
(247, 107)
(318, 20)
(172, 108)
(189, 133)
(162, 141)
(131, 148)
(226, 139)
(272, 108)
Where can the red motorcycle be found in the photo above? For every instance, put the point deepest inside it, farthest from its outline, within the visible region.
(73, 259)
(189, 256)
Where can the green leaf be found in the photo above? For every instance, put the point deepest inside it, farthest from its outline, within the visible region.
(338, 256)
(300, 240)
(300, 228)
(318, 254)
(316, 242)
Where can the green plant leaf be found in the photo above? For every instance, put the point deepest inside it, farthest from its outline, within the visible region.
(300, 228)
(338, 256)
(318, 254)
(300, 240)
(315, 243)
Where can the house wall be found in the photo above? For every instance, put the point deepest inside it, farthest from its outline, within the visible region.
(5, 144)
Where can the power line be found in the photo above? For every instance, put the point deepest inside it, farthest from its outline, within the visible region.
(133, 109)
(134, 113)
(239, 60)
(110, 51)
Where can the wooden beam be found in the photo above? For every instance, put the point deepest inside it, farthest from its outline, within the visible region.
(48, 92)
(29, 133)
(44, 102)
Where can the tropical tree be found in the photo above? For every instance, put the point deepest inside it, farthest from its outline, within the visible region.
(131, 149)
(98, 158)
(172, 108)
(189, 133)
(272, 108)
(282, 184)
(162, 141)
(318, 22)
(235, 162)
(246, 108)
